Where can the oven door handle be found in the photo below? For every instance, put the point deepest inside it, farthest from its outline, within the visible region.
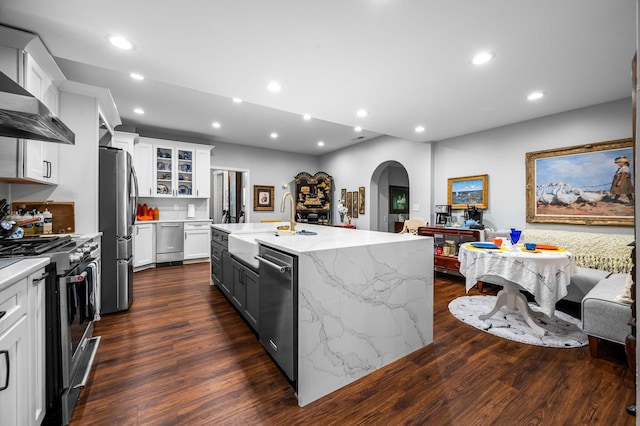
(73, 277)
(76, 278)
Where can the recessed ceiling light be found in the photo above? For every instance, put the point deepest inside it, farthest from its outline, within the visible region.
(362, 113)
(138, 111)
(237, 100)
(274, 135)
(274, 86)
(307, 117)
(357, 129)
(533, 96)
(482, 58)
(216, 125)
(320, 143)
(419, 129)
(120, 42)
(136, 76)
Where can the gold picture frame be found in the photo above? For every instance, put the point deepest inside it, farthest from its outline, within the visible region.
(355, 209)
(468, 191)
(262, 198)
(361, 200)
(584, 175)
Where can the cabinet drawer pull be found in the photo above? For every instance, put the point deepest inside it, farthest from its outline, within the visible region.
(37, 280)
(6, 357)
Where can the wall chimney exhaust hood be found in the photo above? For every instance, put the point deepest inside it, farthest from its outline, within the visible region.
(22, 115)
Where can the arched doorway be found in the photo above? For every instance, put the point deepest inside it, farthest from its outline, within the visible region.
(386, 175)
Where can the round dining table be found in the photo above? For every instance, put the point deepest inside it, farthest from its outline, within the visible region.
(545, 273)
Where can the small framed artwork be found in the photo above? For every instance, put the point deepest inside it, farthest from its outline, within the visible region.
(398, 199)
(343, 195)
(468, 191)
(355, 204)
(361, 200)
(262, 198)
(349, 204)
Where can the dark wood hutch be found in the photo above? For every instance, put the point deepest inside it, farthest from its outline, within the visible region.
(313, 198)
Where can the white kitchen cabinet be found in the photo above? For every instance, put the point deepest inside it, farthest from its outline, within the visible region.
(174, 171)
(40, 159)
(37, 346)
(144, 244)
(202, 168)
(14, 401)
(144, 165)
(125, 141)
(197, 240)
(14, 355)
(24, 59)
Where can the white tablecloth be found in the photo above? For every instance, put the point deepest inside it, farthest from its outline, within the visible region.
(544, 274)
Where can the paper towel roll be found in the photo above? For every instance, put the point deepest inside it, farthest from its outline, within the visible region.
(191, 210)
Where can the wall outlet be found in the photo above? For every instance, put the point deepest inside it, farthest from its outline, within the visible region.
(176, 206)
(385, 219)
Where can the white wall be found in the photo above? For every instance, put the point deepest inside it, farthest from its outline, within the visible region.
(354, 167)
(500, 153)
(266, 167)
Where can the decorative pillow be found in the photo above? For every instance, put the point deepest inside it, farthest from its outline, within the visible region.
(626, 296)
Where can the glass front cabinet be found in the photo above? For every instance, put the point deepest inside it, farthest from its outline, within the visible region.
(174, 172)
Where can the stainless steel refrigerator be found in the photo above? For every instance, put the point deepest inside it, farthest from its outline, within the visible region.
(118, 201)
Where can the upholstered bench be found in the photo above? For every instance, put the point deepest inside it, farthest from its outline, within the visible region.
(604, 316)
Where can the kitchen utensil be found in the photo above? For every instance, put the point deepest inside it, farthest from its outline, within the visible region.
(28, 221)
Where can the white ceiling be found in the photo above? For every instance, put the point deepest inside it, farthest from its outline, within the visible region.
(407, 62)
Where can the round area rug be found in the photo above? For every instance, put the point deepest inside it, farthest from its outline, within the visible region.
(562, 331)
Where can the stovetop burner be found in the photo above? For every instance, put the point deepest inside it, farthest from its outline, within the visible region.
(31, 246)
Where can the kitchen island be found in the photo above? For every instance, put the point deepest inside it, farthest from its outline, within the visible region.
(365, 299)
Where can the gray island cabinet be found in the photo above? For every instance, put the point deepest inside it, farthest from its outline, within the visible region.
(364, 299)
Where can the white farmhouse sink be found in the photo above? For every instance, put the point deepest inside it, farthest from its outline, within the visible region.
(244, 247)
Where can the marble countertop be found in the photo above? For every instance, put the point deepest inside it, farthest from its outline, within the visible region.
(329, 238)
(248, 228)
(20, 269)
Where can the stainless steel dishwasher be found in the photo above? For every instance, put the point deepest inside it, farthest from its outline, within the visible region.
(278, 308)
(169, 242)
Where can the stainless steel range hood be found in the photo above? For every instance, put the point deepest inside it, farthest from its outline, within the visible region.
(22, 115)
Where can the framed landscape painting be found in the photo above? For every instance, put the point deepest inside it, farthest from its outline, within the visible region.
(468, 191)
(588, 184)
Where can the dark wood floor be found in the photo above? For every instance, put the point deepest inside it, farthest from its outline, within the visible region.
(182, 356)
